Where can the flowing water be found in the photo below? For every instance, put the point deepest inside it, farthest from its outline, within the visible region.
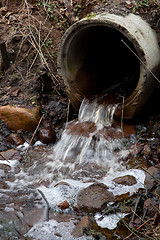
(91, 149)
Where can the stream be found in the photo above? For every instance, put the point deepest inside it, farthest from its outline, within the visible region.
(92, 152)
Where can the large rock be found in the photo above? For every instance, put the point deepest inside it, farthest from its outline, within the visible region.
(20, 118)
(94, 198)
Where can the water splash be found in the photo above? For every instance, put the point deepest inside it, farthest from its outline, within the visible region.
(90, 142)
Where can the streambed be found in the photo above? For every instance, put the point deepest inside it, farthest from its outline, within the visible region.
(86, 163)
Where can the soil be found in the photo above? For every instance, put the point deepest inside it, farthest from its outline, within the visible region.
(30, 33)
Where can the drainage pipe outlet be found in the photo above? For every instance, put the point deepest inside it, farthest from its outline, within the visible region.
(110, 53)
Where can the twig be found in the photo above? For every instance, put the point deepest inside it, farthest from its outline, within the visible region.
(34, 134)
(47, 203)
(150, 174)
(135, 208)
(5, 58)
(141, 61)
(128, 237)
(4, 157)
(122, 118)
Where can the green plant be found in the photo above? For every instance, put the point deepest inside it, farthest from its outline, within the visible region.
(145, 4)
(78, 9)
(91, 15)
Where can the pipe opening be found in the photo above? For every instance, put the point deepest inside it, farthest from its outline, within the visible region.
(99, 62)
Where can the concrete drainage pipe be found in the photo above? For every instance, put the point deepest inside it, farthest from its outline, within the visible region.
(106, 51)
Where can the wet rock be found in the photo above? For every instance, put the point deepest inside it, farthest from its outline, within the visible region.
(81, 128)
(34, 216)
(15, 139)
(116, 132)
(151, 174)
(110, 132)
(28, 218)
(84, 224)
(127, 180)
(128, 128)
(47, 135)
(147, 151)
(94, 197)
(20, 118)
(63, 205)
(10, 154)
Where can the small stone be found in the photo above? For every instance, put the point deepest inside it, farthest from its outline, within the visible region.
(20, 118)
(127, 180)
(47, 135)
(151, 174)
(10, 154)
(15, 139)
(63, 205)
(84, 224)
(146, 151)
(94, 198)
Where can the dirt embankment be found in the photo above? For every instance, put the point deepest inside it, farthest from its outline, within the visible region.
(30, 33)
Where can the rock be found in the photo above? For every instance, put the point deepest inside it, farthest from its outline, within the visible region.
(146, 151)
(94, 197)
(10, 154)
(152, 172)
(127, 180)
(47, 135)
(20, 118)
(15, 139)
(63, 205)
(84, 224)
(80, 128)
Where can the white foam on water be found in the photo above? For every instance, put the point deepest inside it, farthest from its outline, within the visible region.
(11, 163)
(119, 189)
(23, 146)
(54, 230)
(73, 151)
(109, 221)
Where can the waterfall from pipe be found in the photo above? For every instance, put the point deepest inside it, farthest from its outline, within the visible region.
(90, 146)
